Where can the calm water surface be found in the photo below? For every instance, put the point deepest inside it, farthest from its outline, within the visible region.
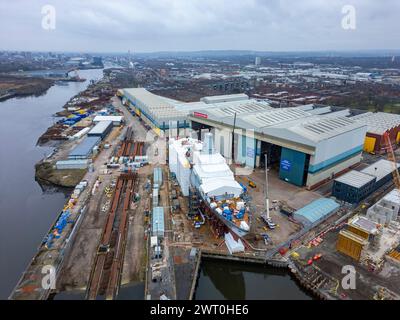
(27, 211)
(238, 281)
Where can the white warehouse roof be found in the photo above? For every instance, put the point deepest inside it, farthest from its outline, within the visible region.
(378, 122)
(393, 196)
(307, 125)
(380, 169)
(160, 109)
(325, 128)
(355, 179)
(228, 109)
(146, 97)
(100, 128)
(108, 118)
(220, 187)
(225, 98)
(297, 125)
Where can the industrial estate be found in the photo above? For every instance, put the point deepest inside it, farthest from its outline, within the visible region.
(261, 160)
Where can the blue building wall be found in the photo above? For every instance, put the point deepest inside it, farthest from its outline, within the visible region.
(335, 160)
(352, 194)
(292, 166)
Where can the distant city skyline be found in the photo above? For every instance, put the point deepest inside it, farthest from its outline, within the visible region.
(195, 25)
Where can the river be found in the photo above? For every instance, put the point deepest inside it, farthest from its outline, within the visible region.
(223, 280)
(27, 211)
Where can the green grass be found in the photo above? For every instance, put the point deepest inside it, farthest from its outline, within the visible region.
(392, 108)
(63, 178)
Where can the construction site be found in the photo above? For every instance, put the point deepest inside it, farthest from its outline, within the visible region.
(147, 208)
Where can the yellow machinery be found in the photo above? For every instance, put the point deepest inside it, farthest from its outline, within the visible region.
(369, 144)
(250, 183)
(295, 255)
(157, 131)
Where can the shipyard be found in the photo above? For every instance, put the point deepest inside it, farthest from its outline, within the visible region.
(200, 157)
(162, 186)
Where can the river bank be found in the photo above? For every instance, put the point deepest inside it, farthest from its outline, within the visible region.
(18, 87)
(75, 116)
(26, 209)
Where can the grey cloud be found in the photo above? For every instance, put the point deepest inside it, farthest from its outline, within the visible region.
(140, 25)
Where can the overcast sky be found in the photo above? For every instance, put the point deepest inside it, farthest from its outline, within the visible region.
(188, 25)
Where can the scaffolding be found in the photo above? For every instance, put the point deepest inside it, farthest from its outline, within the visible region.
(193, 203)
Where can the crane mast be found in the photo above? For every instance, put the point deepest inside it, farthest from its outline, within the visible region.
(266, 195)
(392, 159)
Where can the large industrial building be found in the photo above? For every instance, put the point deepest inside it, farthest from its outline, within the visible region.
(156, 111)
(162, 114)
(378, 124)
(308, 144)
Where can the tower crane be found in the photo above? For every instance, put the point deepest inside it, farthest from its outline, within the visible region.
(392, 159)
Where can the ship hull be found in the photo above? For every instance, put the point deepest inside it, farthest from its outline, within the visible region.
(238, 231)
(231, 226)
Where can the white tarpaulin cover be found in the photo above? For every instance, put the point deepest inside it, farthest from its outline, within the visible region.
(213, 171)
(211, 174)
(218, 187)
(214, 158)
(233, 245)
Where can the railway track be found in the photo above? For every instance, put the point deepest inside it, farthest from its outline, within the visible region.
(129, 147)
(105, 275)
